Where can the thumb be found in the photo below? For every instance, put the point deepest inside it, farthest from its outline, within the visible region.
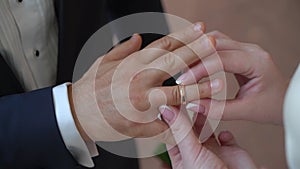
(127, 48)
(181, 128)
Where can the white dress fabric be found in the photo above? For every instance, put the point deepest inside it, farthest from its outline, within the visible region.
(292, 122)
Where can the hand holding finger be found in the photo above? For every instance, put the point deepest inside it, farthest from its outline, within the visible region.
(181, 128)
(173, 95)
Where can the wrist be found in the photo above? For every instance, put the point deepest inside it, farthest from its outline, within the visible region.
(83, 134)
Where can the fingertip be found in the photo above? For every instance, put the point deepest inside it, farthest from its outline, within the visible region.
(136, 38)
(167, 113)
(186, 78)
(200, 26)
(126, 48)
(226, 138)
(212, 40)
(217, 85)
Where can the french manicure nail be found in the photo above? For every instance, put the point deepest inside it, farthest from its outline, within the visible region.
(179, 82)
(195, 108)
(191, 105)
(181, 79)
(167, 113)
(159, 116)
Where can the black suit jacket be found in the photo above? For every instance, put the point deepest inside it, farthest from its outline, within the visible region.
(29, 135)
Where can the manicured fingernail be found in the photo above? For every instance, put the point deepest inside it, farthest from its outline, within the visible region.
(134, 37)
(195, 108)
(198, 27)
(181, 79)
(178, 82)
(167, 113)
(159, 116)
(215, 84)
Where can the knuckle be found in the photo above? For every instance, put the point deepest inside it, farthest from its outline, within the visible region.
(169, 59)
(176, 96)
(204, 89)
(166, 43)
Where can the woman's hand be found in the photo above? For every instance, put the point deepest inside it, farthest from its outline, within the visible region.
(191, 154)
(118, 98)
(262, 86)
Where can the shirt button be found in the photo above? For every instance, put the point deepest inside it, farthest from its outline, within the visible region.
(36, 53)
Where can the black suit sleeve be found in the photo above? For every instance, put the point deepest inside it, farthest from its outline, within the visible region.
(117, 9)
(29, 135)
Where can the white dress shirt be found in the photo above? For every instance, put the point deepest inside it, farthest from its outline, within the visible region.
(29, 41)
(72, 139)
(29, 44)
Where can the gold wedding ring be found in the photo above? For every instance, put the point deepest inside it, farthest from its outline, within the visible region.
(182, 94)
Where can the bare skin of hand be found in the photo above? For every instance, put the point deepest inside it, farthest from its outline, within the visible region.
(190, 153)
(119, 96)
(262, 86)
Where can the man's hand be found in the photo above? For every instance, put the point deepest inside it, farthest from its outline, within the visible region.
(118, 98)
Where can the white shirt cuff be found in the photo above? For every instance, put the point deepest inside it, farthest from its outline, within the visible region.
(69, 132)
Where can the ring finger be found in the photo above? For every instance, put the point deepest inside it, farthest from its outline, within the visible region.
(171, 95)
